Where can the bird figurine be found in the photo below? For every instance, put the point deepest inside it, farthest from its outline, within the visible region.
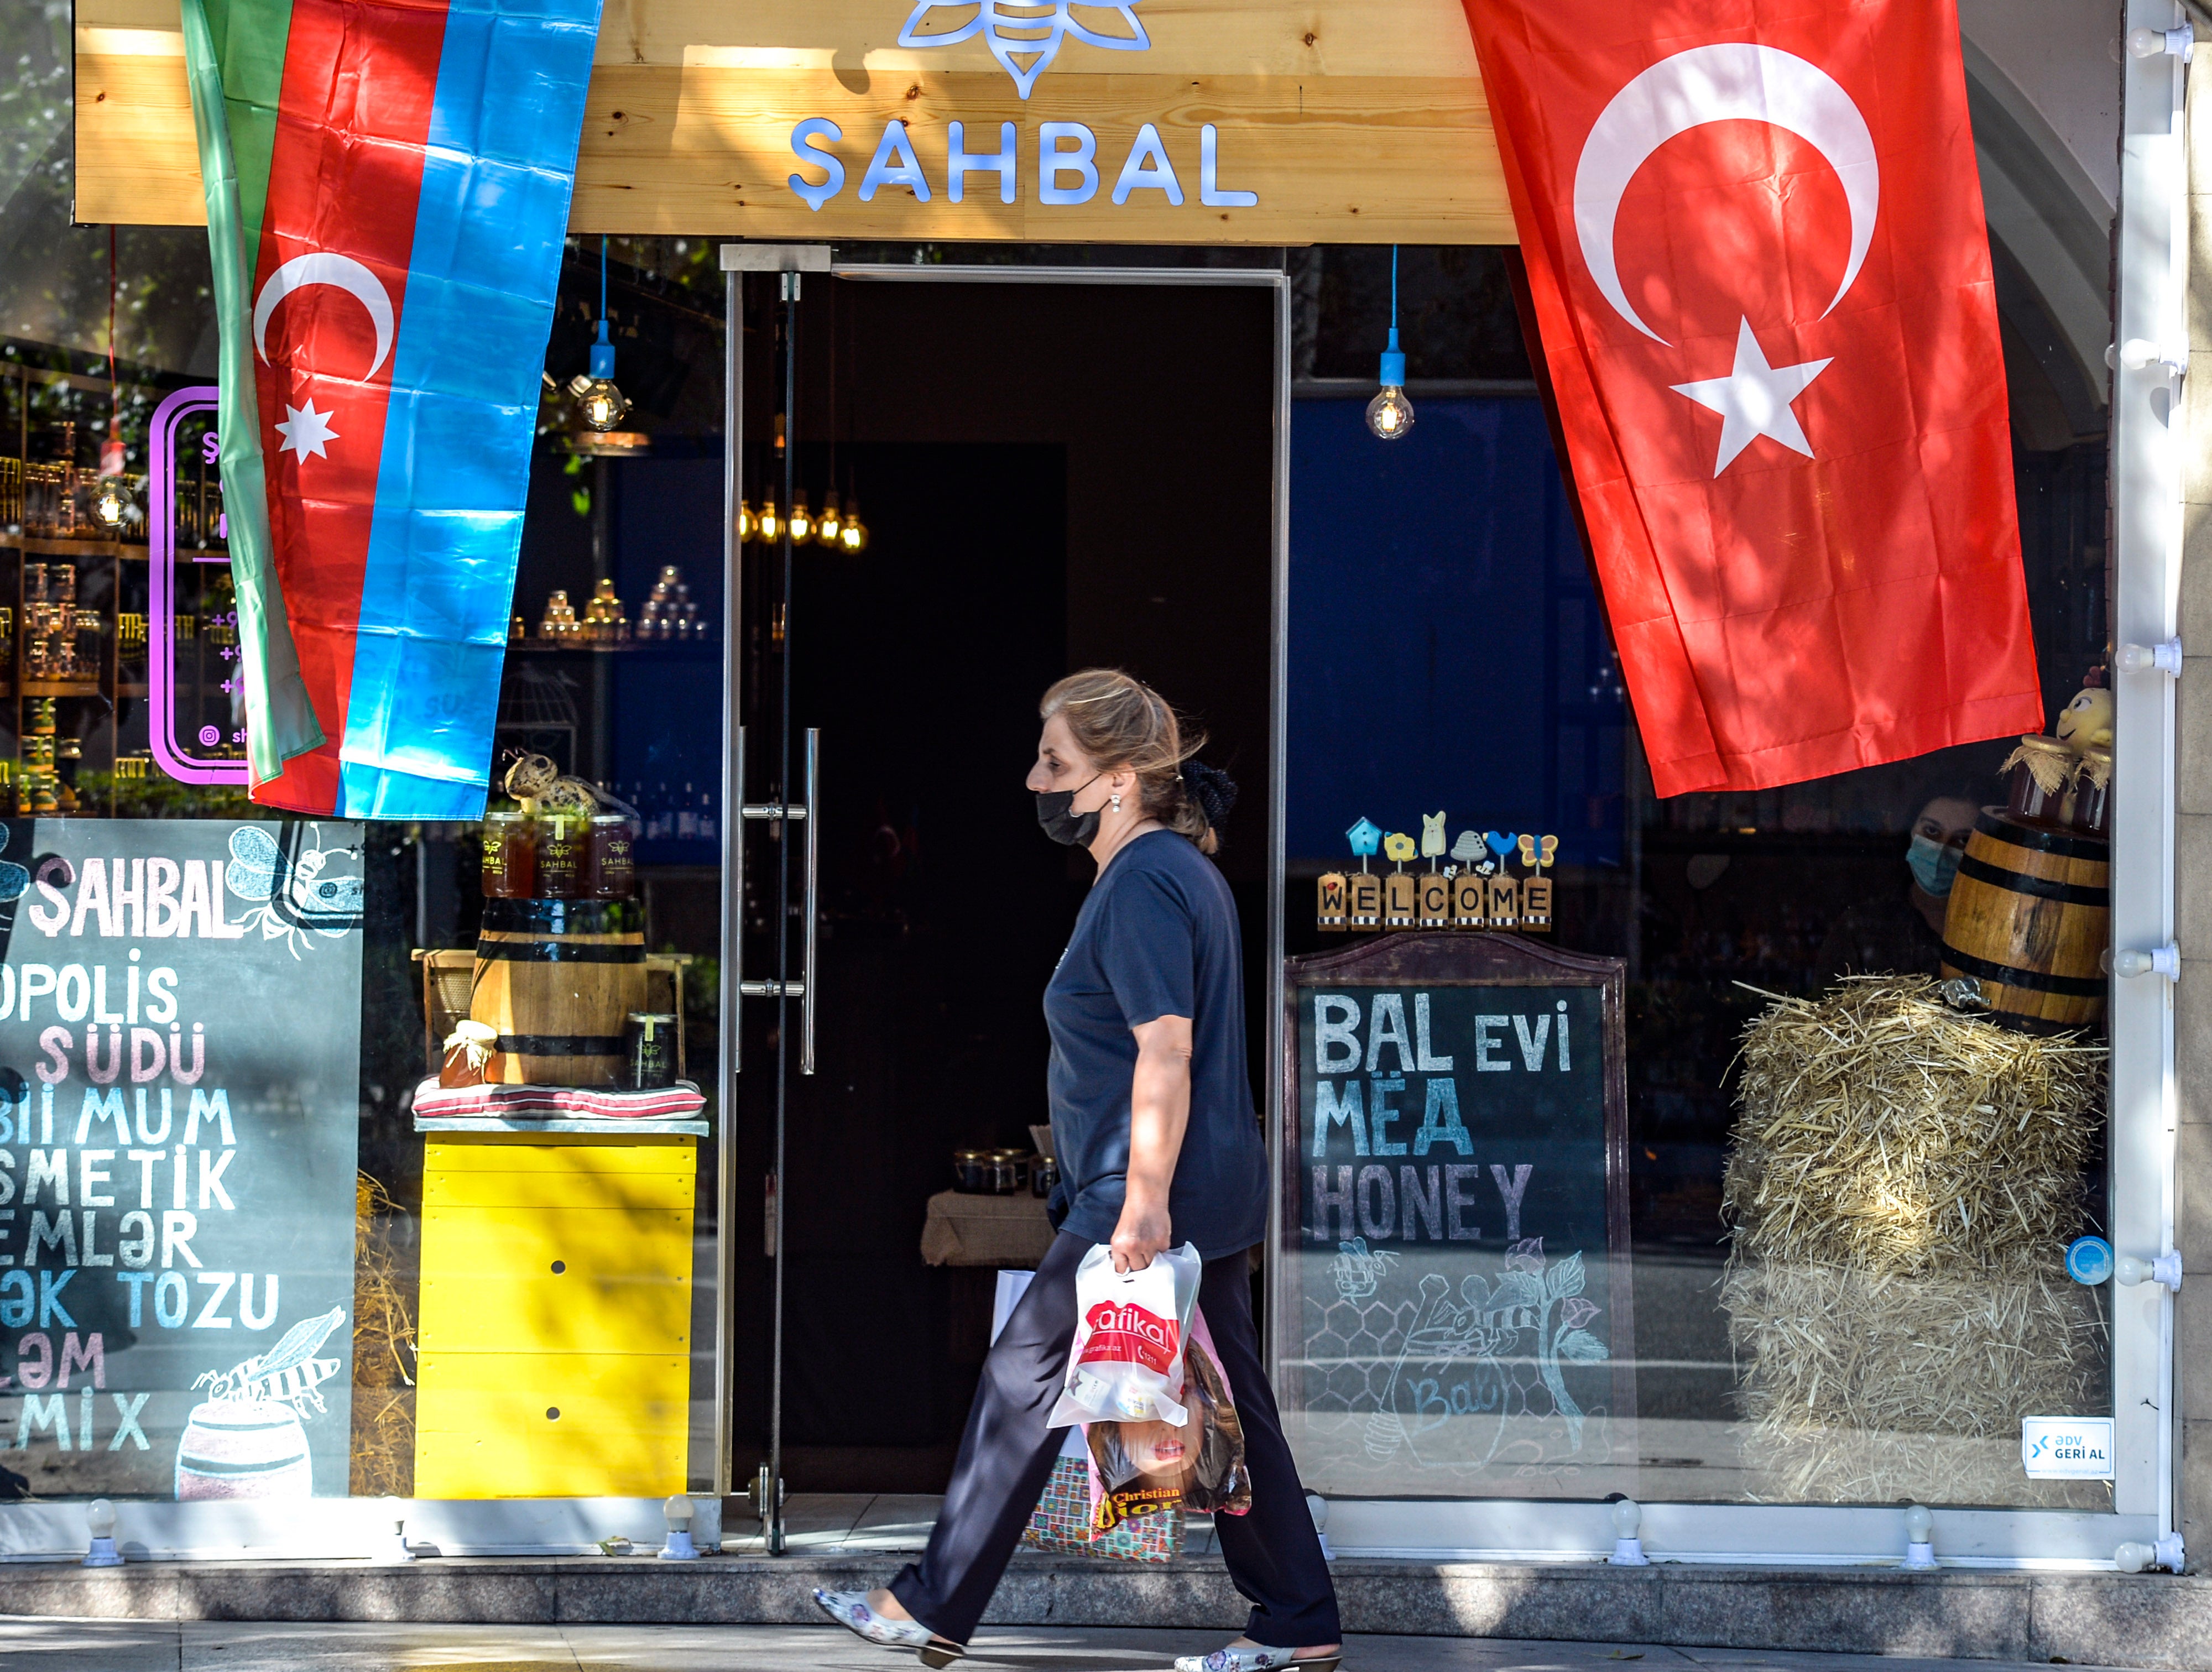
(1432, 835)
(1365, 838)
(1398, 846)
(1498, 843)
(2087, 721)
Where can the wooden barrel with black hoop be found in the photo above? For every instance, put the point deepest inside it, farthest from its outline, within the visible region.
(557, 978)
(2030, 918)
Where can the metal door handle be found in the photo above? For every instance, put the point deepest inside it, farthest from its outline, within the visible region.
(800, 813)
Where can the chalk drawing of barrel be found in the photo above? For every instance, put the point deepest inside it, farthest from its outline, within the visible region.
(244, 1448)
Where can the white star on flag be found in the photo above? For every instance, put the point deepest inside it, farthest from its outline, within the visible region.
(1753, 400)
(305, 431)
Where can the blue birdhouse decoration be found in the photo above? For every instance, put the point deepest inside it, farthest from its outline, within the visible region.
(1367, 840)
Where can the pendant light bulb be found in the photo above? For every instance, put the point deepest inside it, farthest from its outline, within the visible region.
(1390, 415)
(110, 502)
(770, 523)
(802, 523)
(744, 523)
(829, 530)
(856, 531)
(601, 404)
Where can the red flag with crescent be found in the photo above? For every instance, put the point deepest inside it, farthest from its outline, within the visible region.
(1760, 273)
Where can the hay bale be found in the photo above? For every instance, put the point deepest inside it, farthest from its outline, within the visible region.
(1901, 1181)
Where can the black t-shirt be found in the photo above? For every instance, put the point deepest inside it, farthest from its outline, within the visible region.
(1157, 937)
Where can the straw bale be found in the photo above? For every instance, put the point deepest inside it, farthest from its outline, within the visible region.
(383, 1440)
(1901, 1181)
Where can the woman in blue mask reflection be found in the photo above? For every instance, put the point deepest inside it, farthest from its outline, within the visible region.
(1902, 933)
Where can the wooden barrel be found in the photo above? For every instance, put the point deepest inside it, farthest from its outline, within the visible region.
(244, 1448)
(555, 979)
(2030, 918)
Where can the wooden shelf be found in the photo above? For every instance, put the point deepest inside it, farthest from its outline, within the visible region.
(61, 688)
(39, 545)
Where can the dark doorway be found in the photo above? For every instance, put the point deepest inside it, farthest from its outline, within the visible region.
(1053, 477)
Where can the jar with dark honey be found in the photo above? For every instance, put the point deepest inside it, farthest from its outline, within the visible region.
(609, 863)
(563, 842)
(510, 857)
(2039, 790)
(2093, 792)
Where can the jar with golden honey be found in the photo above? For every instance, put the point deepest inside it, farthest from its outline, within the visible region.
(610, 861)
(563, 842)
(510, 857)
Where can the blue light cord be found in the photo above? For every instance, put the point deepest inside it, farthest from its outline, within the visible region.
(603, 351)
(603, 287)
(1393, 372)
(1394, 288)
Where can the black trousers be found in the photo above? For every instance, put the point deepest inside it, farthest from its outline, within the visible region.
(1006, 1456)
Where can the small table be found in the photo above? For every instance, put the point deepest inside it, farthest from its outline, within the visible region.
(1004, 1231)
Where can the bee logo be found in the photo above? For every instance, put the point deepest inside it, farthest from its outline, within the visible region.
(1025, 35)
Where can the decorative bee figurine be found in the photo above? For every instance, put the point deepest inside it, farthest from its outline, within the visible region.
(2087, 721)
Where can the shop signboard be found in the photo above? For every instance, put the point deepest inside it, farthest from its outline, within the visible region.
(1148, 121)
(1456, 1308)
(179, 1060)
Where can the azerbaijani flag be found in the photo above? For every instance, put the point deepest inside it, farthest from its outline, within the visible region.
(388, 189)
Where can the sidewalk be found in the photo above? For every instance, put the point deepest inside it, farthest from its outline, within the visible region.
(76, 1646)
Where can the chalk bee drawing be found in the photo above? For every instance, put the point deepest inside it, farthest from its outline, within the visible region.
(245, 1440)
(293, 894)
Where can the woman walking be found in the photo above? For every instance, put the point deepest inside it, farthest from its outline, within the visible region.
(1158, 1144)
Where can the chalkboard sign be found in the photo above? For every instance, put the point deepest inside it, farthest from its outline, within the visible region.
(179, 1062)
(1455, 1314)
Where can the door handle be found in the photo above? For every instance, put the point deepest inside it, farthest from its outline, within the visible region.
(801, 812)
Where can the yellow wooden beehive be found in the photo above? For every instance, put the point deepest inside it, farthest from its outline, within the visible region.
(554, 1340)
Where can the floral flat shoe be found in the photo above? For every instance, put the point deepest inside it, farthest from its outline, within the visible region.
(850, 1609)
(1255, 1658)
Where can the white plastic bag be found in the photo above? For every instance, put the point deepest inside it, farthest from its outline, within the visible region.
(1127, 1363)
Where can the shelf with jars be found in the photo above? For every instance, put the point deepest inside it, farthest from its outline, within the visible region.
(72, 670)
(668, 616)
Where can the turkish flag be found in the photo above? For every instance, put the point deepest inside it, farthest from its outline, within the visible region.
(1761, 279)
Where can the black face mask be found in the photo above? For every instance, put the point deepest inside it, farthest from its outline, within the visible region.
(1070, 830)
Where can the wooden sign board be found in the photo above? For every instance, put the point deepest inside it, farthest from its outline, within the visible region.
(1456, 1316)
(1351, 121)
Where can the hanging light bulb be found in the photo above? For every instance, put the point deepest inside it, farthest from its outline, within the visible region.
(855, 536)
(1390, 415)
(745, 524)
(802, 524)
(769, 523)
(111, 499)
(601, 404)
(829, 529)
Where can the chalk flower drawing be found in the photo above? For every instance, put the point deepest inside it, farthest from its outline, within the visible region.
(1452, 1387)
(1016, 31)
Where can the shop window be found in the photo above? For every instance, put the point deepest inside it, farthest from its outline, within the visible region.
(244, 1262)
(1838, 1272)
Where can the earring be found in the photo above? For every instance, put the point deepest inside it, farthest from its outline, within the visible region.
(1116, 802)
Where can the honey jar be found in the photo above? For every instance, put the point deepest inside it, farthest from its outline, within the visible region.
(610, 862)
(510, 857)
(563, 841)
